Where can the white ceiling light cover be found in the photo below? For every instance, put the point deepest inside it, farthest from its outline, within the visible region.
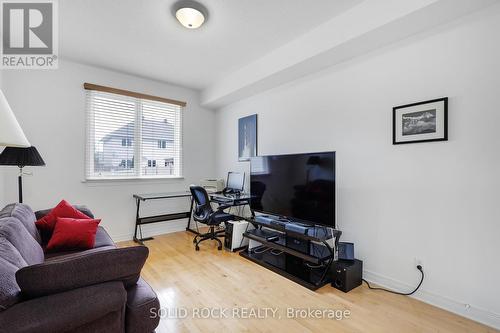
(190, 18)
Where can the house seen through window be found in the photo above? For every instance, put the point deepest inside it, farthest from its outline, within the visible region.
(162, 144)
(169, 162)
(127, 142)
(124, 129)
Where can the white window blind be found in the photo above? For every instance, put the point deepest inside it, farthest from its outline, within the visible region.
(129, 137)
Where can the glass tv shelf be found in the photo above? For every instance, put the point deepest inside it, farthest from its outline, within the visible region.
(310, 268)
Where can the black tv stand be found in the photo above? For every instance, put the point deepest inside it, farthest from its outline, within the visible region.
(310, 269)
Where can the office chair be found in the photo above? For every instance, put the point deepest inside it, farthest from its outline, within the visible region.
(204, 213)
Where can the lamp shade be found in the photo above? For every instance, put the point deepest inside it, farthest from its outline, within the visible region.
(21, 157)
(11, 134)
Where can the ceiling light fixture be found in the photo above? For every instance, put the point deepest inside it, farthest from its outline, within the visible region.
(190, 14)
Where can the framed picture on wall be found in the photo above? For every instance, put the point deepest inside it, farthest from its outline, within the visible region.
(247, 137)
(420, 122)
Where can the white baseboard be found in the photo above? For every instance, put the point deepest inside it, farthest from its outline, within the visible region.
(465, 310)
(121, 238)
(151, 230)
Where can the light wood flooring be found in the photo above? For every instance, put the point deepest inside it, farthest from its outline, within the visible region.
(192, 281)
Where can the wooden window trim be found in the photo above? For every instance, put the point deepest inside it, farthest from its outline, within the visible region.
(91, 86)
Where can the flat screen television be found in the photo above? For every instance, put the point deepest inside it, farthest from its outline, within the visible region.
(300, 187)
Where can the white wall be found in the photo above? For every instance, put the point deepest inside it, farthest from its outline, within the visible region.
(1, 149)
(433, 201)
(50, 106)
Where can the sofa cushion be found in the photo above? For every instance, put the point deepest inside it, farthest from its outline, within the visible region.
(46, 234)
(10, 262)
(70, 234)
(82, 208)
(9, 253)
(63, 209)
(24, 214)
(57, 255)
(10, 293)
(102, 238)
(102, 242)
(142, 308)
(65, 312)
(14, 231)
(82, 269)
(111, 322)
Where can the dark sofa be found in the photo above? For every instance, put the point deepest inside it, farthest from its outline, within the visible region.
(96, 290)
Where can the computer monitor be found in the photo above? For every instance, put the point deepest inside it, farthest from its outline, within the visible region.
(235, 181)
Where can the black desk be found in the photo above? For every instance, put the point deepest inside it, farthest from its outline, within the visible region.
(233, 200)
(215, 197)
(139, 221)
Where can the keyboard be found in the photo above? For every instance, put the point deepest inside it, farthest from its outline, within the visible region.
(221, 198)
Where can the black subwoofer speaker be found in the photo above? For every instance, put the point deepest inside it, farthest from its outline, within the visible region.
(347, 275)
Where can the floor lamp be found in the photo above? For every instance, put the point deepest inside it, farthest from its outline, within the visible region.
(11, 134)
(21, 157)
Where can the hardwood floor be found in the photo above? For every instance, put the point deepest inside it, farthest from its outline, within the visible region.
(192, 281)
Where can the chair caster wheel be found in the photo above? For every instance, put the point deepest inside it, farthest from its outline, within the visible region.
(197, 248)
(219, 248)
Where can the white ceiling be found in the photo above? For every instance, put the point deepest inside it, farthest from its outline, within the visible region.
(368, 26)
(141, 37)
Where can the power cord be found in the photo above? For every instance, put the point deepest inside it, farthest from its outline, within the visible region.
(261, 250)
(419, 267)
(276, 252)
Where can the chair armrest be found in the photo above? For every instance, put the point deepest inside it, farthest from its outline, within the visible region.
(64, 311)
(82, 269)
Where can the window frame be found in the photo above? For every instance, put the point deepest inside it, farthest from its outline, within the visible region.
(137, 140)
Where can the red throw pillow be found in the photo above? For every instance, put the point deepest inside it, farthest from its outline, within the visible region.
(71, 234)
(63, 209)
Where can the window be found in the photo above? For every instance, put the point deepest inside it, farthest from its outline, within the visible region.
(169, 162)
(260, 165)
(162, 144)
(122, 129)
(127, 142)
(129, 164)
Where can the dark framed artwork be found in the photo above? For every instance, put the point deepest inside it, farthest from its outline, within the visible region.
(247, 137)
(420, 122)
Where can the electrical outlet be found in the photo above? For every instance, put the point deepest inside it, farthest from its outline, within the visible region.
(417, 261)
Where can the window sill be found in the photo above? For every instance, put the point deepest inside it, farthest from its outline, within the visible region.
(134, 180)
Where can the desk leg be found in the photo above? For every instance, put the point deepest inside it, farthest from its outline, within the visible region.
(138, 205)
(188, 228)
(251, 211)
(138, 225)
